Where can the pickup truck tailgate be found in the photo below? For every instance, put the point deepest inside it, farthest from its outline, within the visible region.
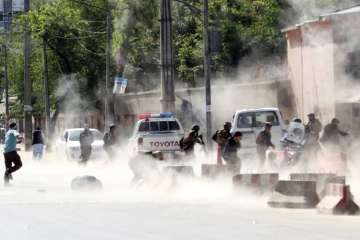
(161, 142)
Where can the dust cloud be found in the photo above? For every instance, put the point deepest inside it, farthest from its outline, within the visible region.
(255, 86)
(49, 181)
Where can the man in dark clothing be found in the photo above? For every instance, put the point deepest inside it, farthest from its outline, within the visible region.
(38, 143)
(230, 156)
(312, 134)
(263, 142)
(86, 139)
(221, 137)
(110, 140)
(332, 133)
(12, 158)
(312, 129)
(187, 144)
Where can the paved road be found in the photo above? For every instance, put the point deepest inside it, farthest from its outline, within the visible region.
(41, 206)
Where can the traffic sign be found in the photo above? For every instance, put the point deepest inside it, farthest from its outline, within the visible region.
(120, 85)
(28, 108)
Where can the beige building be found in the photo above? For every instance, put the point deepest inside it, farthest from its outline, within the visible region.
(324, 66)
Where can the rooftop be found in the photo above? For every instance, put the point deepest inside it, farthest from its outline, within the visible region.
(355, 9)
(324, 17)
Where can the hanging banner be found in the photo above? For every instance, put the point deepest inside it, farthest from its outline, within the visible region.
(120, 85)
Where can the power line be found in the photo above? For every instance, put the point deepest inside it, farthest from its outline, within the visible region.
(90, 5)
(77, 29)
(90, 51)
(100, 8)
(93, 21)
(69, 38)
(92, 32)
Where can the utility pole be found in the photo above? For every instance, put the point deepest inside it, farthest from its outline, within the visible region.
(46, 91)
(27, 84)
(7, 25)
(166, 58)
(207, 71)
(6, 88)
(108, 118)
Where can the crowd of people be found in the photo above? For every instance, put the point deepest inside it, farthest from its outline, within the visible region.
(12, 137)
(228, 143)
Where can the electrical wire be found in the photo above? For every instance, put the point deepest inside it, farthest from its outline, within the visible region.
(92, 32)
(100, 8)
(69, 38)
(90, 51)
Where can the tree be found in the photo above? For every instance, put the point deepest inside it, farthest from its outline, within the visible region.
(75, 34)
(136, 42)
(246, 27)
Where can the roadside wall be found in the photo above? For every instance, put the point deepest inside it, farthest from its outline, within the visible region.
(190, 103)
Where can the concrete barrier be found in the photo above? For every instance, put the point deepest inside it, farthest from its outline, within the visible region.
(321, 179)
(338, 200)
(214, 171)
(294, 194)
(180, 170)
(86, 183)
(311, 176)
(257, 182)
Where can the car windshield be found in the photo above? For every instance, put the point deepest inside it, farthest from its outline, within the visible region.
(245, 120)
(75, 135)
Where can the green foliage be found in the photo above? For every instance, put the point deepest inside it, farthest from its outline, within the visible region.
(136, 40)
(246, 27)
(74, 31)
(76, 40)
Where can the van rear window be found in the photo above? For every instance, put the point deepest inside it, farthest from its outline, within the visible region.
(257, 119)
(245, 120)
(263, 117)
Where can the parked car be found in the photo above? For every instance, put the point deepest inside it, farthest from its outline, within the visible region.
(69, 144)
(251, 121)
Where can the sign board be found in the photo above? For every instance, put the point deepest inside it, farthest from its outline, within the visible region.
(120, 85)
(208, 108)
(28, 108)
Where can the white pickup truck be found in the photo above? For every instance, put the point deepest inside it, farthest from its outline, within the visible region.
(251, 121)
(157, 132)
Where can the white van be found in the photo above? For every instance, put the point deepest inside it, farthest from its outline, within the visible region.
(251, 121)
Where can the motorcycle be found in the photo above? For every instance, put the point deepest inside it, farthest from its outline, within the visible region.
(292, 153)
(292, 148)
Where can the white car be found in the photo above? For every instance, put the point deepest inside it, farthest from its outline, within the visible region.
(251, 121)
(69, 143)
(157, 132)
